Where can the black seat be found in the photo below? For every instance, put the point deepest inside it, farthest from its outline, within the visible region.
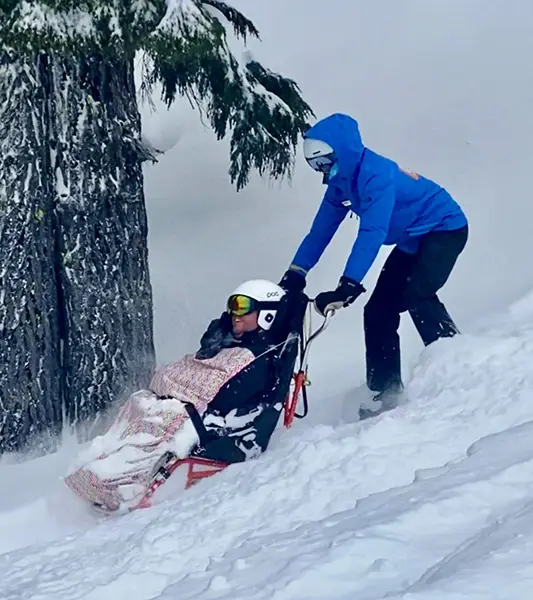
(248, 439)
(290, 317)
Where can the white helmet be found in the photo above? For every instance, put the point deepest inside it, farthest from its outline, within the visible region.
(319, 155)
(314, 148)
(264, 296)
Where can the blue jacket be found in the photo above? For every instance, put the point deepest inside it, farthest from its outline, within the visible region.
(395, 206)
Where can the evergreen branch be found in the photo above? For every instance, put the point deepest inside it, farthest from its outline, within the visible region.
(242, 27)
(188, 54)
(78, 27)
(282, 87)
(44, 26)
(263, 110)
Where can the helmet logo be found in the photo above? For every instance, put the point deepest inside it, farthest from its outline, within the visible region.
(272, 294)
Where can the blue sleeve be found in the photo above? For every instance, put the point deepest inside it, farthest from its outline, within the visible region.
(326, 222)
(378, 197)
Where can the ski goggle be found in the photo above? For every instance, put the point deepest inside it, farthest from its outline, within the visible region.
(327, 165)
(322, 164)
(241, 305)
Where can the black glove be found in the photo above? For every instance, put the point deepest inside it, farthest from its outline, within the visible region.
(217, 336)
(293, 281)
(347, 292)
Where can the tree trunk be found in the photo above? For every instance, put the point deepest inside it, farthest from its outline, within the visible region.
(31, 380)
(75, 295)
(106, 294)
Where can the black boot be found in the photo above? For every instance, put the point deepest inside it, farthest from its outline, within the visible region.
(383, 401)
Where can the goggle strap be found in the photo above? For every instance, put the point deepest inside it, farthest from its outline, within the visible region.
(268, 305)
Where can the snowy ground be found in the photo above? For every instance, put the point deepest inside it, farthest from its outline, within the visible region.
(433, 500)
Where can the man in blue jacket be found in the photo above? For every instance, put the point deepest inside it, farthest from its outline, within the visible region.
(396, 207)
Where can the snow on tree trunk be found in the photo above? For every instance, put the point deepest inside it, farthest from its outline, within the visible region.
(101, 218)
(30, 369)
(75, 295)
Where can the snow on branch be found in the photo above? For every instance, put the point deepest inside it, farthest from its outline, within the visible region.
(110, 27)
(187, 45)
(34, 20)
(264, 111)
(181, 15)
(242, 27)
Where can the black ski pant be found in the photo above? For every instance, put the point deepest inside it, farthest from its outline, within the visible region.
(409, 282)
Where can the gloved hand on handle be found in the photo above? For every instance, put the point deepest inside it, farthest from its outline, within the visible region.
(347, 292)
(293, 281)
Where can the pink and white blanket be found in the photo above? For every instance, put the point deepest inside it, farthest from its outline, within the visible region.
(115, 470)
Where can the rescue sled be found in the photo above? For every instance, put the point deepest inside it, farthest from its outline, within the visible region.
(143, 434)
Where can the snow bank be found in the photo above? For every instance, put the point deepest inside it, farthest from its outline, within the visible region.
(430, 500)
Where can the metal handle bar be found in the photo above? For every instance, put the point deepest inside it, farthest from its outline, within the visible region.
(300, 378)
(327, 319)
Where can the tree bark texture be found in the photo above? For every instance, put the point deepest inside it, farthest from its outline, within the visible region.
(75, 295)
(31, 379)
(102, 224)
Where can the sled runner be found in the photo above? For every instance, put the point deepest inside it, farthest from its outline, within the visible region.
(154, 436)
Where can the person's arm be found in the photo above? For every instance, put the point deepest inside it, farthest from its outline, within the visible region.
(215, 337)
(378, 197)
(329, 216)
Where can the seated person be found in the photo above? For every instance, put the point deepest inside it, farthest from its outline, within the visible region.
(234, 364)
(234, 371)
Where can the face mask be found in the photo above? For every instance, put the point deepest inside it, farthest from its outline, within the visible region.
(330, 173)
(334, 170)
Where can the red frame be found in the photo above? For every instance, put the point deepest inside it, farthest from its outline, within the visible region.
(193, 476)
(212, 467)
(291, 402)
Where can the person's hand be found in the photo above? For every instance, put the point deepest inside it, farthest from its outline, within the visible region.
(347, 292)
(293, 281)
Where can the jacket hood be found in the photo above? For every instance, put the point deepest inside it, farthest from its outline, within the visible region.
(341, 132)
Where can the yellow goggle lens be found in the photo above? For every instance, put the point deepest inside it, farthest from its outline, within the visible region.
(241, 305)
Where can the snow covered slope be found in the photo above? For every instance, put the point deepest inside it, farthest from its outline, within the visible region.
(433, 500)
